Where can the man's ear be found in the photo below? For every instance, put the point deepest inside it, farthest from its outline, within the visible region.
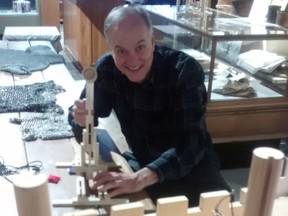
(153, 39)
(153, 42)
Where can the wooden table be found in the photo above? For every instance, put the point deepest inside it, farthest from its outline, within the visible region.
(34, 33)
(17, 152)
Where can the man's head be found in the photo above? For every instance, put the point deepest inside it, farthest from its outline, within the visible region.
(129, 33)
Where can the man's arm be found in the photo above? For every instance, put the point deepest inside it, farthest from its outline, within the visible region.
(117, 183)
(187, 124)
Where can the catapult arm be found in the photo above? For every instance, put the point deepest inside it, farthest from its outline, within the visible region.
(89, 160)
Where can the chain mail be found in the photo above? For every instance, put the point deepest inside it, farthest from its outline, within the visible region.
(35, 58)
(45, 126)
(37, 97)
(46, 119)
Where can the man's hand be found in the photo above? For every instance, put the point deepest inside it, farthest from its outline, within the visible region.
(117, 183)
(80, 112)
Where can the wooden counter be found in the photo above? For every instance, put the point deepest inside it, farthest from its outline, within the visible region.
(230, 122)
(16, 152)
(50, 13)
(83, 29)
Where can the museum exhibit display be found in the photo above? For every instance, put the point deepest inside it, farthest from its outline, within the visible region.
(29, 13)
(19, 13)
(245, 65)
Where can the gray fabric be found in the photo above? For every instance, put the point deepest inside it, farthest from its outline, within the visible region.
(45, 126)
(237, 88)
(37, 97)
(46, 120)
(33, 59)
(44, 37)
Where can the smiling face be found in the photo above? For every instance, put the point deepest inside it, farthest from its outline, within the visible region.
(132, 46)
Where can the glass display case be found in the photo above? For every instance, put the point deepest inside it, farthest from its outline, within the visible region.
(245, 62)
(19, 13)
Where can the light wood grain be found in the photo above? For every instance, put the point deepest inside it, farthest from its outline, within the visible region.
(50, 13)
(83, 29)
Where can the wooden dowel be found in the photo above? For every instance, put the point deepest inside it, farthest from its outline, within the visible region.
(264, 175)
(32, 196)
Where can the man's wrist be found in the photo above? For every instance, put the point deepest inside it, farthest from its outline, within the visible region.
(146, 177)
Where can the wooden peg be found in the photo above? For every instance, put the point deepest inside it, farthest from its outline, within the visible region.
(172, 206)
(129, 209)
(32, 196)
(262, 183)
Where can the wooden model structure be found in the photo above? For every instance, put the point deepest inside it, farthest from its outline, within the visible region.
(89, 161)
(264, 186)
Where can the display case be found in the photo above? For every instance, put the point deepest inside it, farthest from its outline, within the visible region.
(29, 13)
(19, 16)
(246, 68)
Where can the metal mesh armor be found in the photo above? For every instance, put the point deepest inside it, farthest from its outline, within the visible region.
(45, 126)
(35, 58)
(46, 119)
(37, 97)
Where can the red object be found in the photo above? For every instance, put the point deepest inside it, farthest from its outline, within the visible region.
(53, 179)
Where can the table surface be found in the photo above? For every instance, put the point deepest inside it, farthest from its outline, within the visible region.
(15, 33)
(17, 152)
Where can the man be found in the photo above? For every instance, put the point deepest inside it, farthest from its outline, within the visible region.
(159, 98)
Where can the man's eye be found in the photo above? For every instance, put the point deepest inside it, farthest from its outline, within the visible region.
(141, 47)
(120, 52)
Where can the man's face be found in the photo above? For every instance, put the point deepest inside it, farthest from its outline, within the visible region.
(132, 46)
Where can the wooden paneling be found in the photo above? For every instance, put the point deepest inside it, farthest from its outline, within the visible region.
(77, 33)
(236, 122)
(50, 13)
(83, 29)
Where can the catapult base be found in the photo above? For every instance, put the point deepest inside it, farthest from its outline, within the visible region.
(87, 202)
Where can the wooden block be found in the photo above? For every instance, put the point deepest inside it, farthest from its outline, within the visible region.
(282, 189)
(172, 206)
(243, 194)
(217, 199)
(129, 209)
(111, 124)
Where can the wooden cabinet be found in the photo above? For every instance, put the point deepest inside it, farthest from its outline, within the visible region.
(50, 13)
(83, 29)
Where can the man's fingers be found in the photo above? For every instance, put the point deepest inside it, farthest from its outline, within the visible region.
(80, 112)
(113, 188)
(81, 103)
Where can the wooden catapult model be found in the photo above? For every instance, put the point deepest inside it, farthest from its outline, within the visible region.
(268, 179)
(89, 161)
